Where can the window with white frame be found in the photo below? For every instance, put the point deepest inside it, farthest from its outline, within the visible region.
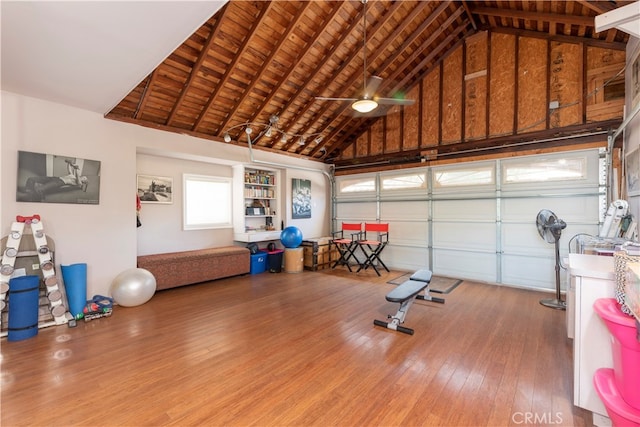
(207, 202)
(456, 177)
(357, 185)
(412, 181)
(541, 170)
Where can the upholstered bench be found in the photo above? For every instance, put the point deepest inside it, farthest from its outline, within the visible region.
(184, 268)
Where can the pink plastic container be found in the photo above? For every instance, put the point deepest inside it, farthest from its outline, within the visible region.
(620, 412)
(625, 349)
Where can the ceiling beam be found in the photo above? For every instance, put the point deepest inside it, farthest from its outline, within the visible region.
(258, 76)
(558, 37)
(625, 18)
(223, 82)
(213, 35)
(302, 56)
(585, 21)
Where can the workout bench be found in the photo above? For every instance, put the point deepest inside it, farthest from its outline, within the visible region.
(405, 294)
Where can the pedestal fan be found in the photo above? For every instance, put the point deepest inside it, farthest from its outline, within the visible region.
(550, 228)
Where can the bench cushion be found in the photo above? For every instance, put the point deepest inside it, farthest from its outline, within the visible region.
(407, 290)
(422, 275)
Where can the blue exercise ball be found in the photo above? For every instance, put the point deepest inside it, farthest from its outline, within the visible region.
(291, 237)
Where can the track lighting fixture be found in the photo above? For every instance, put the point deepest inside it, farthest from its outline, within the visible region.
(271, 128)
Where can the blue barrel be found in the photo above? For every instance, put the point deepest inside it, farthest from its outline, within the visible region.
(23, 307)
(75, 284)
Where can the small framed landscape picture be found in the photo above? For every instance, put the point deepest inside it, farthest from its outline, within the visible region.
(155, 189)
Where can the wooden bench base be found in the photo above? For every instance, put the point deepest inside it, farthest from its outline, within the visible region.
(184, 268)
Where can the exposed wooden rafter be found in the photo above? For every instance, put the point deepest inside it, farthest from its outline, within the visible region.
(254, 60)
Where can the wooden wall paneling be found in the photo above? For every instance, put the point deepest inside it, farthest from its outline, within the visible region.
(411, 130)
(565, 83)
(452, 98)
(376, 140)
(502, 84)
(548, 80)
(463, 94)
(349, 152)
(475, 81)
(603, 68)
(431, 108)
(532, 84)
(393, 131)
(487, 106)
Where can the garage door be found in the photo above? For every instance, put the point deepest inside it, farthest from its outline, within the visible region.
(476, 220)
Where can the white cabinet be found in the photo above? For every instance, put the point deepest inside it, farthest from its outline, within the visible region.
(592, 277)
(256, 204)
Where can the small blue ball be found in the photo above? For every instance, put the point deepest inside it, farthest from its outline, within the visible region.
(291, 237)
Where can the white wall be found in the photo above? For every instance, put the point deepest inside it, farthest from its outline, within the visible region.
(632, 132)
(105, 235)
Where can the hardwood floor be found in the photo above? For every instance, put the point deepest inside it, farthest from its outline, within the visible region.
(299, 349)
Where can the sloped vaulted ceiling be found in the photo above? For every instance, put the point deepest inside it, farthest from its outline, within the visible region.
(258, 61)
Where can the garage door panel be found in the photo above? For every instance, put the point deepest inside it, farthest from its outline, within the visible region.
(569, 209)
(412, 233)
(464, 209)
(480, 236)
(416, 210)
(405, 258)
(465, 265)
(531, 272)
(524, 239)
(355, 212)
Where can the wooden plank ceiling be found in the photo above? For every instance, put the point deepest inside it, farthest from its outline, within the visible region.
(265, 62)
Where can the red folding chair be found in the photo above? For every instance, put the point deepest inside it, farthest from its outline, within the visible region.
(347, 244)
(376, 237)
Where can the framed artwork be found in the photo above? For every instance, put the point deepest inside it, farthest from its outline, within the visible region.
(155, 189)
(632, 165)
(300, 198)
(53, 178)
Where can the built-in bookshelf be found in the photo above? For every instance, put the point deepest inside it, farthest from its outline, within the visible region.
(256, 204)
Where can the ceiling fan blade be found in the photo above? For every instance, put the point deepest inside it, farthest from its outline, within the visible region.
(324, 98)
(394, 101)
(372, 86)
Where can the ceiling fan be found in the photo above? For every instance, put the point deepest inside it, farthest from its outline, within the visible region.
(368, 100)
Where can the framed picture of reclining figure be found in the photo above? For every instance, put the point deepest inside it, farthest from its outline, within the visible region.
(53, 178)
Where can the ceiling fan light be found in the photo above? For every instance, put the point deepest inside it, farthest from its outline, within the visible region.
(364, 105)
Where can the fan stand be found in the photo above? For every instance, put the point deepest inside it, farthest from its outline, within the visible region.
(556, 302)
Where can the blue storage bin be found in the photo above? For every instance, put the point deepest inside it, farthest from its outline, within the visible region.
(258, 263)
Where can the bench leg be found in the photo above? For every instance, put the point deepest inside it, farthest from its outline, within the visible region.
(398, 319)
(428, 297)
